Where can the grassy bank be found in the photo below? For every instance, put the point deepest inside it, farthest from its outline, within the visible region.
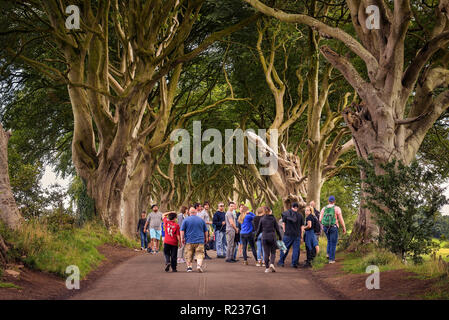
(43, 247)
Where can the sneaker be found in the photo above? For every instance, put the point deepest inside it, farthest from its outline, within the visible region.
(306, 264)
(189, 269)
(167, 267)
(273, 269)
(258, 264)
(182, 261)
(230, 260)
(233, 260)
(245, 263)
(331, 261)
(199, 269)
(207, 258)
(267, 270)
(263, 264)
(174, 270)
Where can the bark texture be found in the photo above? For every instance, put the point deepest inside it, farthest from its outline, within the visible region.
(9, 213)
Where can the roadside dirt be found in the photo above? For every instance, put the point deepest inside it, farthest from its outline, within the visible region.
(394, 284)
(37, 285)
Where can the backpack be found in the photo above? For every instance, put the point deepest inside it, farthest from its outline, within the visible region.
(329, 217)
(316, 224)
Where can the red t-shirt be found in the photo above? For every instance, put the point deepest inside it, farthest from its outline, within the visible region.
(171, 232)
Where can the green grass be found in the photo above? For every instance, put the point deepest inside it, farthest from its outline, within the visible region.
(41, 249)
(9, 285)
(321, 260)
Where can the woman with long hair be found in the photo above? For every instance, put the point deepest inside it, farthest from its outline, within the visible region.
(269, 228)
(247, 233)
(260, 212)
(310, 240)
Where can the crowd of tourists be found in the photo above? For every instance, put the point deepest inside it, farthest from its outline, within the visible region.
(189, 234)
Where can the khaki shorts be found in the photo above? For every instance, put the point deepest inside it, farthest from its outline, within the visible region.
(194, 249)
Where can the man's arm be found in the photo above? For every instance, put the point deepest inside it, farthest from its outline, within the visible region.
(145, 226)
(183, 240)
(340, 218)
(321, 214)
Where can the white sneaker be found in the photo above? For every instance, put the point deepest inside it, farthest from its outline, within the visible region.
(267, 270)
(273, 269)
(199, 269)
(331, 261)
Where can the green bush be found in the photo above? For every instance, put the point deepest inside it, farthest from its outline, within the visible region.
(405, 201)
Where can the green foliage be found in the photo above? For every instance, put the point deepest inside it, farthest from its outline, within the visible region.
(9, 285)
(44, 247)
(405, 201)
(441, 227)
(85, 206)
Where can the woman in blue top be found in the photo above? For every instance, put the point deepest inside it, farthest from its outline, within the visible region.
(247, 233)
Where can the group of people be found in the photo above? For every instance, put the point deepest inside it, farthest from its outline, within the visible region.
(188, 235)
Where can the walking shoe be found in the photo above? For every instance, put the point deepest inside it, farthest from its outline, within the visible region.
(306, 264)
(233, 260)
(258, 264)
(331, 261)
(182, 260)
(199, 269)
(267, 270)
(207, 258)
(174, 270)
(230, 260)
(189, 269)
(295, 266)
(167, 267)
(245, 263)
(273, 269)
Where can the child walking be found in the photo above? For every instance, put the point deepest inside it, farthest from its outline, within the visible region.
(172, 241)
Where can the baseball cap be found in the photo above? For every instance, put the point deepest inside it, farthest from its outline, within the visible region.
(331, 199)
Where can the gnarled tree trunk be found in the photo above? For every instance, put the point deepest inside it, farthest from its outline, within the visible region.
(9, 213)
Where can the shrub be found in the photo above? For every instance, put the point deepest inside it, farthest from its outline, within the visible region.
(404, 201)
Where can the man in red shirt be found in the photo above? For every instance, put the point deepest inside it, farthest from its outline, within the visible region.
(172, 241)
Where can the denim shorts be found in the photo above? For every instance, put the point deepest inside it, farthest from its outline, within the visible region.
(155, 234)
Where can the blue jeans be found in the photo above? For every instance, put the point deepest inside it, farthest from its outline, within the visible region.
(260, 253)
(291, 241)
(220, 242)
(143, 239)
(332, 239)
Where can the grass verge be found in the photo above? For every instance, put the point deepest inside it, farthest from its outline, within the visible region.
(43, 248)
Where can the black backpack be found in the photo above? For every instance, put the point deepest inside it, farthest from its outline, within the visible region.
(316, 224)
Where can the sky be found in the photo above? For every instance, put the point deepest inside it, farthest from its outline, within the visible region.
(50, 178)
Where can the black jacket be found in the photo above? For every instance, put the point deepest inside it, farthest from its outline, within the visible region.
(141, 224)
(293, 222)
(217, 220)
(269, 227)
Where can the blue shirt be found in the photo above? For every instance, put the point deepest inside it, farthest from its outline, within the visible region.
(247, 225)
(194, 228)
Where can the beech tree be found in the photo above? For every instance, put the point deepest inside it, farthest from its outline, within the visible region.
(401, 94)
(121, 68)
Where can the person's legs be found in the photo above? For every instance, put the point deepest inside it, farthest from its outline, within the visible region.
(189, 252)
(230, 244)
(252, 245)
(142, 239)
(267, 250)
(174, 257)
(259, 248)
(167, 253)
(244, 240)
(295, 254)
(199, 256)
(327, 233)
(288, 243)
(219, 243)
(273, 252)
(333, 240)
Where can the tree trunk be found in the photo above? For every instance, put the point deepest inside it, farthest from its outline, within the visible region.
(3, 252)
(9, 213)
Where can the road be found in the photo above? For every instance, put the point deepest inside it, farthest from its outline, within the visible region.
(143, 278)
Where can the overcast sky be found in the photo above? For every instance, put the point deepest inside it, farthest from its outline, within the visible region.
(50, 177)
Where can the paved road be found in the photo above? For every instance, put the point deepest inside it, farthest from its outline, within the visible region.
(143, 277)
